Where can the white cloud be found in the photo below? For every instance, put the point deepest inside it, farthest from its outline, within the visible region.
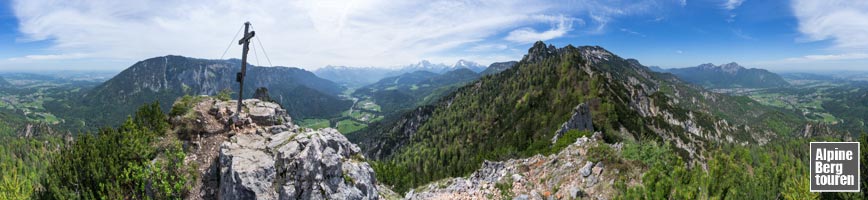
(732, 4)
(303, 33)
(830, 57)
(842, 61)
(50, 57)
(528, 35)
(632, 32)
(841, 21)
(488, 47)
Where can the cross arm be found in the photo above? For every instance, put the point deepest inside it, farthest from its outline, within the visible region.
(246, 37)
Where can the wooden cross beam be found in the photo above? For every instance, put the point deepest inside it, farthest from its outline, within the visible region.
(240, 76)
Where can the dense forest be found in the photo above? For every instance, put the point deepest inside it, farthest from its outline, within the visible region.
(772, 171)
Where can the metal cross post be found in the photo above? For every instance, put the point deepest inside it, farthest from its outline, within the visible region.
(240, 76)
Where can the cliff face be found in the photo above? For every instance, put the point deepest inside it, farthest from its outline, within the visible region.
(263, 155)
(580, 120)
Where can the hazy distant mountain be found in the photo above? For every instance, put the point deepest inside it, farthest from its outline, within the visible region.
(728, 76)
(354, 76)
(656, 69)
(475, 67)
(409, 89)
(361, 76)
(498, 67)
(425, 65)
(166, 78)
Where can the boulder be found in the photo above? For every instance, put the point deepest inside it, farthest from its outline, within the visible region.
(245, 173)
(319, 164)
(586, 170)
(265, 113)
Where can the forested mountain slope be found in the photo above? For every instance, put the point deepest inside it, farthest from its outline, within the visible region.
(166, 78)
(515, 113)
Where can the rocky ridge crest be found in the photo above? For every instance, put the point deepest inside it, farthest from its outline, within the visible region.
(569, 174)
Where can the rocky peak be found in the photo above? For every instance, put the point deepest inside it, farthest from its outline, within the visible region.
(707, 66)
(728, 68)
(261, 154)
(463, 63)
(595, 54)
(540, 51)
(731, 67)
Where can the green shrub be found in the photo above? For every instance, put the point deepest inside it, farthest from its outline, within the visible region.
(505, 187)
(225, 94)
(647, 152)
(568, 138)
(184, 105)
(602, 153)
(117, 163)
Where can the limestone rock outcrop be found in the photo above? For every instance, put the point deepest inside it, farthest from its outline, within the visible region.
(261, 154)
(311, 164)
(579, 120)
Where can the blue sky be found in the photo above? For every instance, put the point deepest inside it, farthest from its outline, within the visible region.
(792, 35)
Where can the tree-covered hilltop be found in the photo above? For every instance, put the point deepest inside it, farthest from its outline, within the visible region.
(515, 113)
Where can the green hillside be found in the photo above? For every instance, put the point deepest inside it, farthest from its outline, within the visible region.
(516, 112)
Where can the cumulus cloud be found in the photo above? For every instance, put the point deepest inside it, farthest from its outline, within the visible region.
(840, 21)
(304, 33)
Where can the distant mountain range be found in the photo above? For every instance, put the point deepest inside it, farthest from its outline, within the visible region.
(729, 75)
(354, 76)
(410, 89)
(360, 76)
(166, 78)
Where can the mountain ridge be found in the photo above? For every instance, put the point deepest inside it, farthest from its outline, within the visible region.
(516, 113)
(362, 76)
(728, 75)
(166, 78)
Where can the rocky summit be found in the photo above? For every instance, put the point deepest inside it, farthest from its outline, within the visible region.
(261, 154)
